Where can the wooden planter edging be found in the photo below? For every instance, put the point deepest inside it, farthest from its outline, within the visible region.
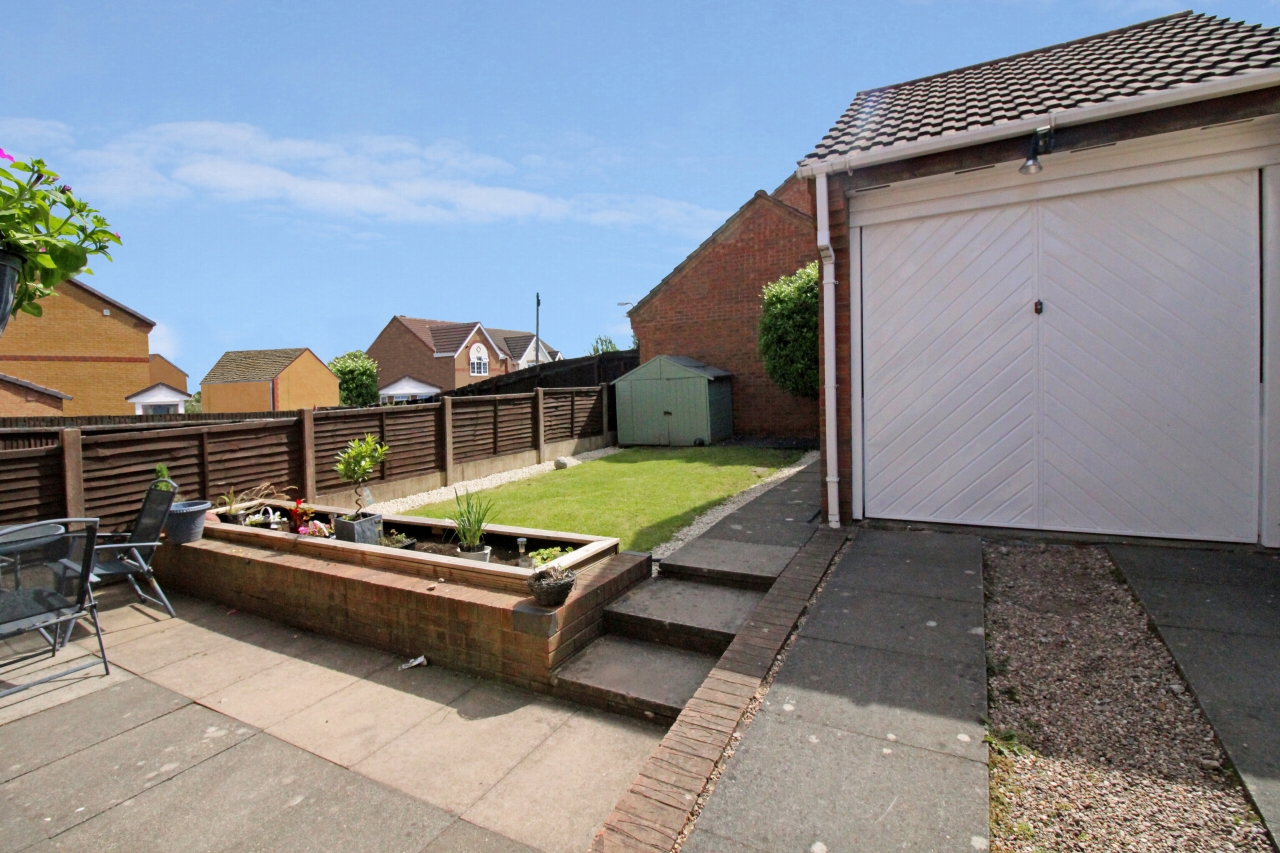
(653, 813)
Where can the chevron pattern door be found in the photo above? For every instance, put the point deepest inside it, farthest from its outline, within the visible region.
(1150, 344)
(1130, 405)
(949, 368)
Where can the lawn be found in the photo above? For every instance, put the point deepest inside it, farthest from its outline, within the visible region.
(642, 495)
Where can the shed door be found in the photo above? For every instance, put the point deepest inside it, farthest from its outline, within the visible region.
(1130, 405)
(686, 411)
(648, 402)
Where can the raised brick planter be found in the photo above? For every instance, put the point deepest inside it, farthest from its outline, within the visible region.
(496, 633)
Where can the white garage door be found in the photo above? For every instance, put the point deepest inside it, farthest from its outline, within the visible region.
(1130, 405)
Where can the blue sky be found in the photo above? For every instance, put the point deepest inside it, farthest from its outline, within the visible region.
(294, 174)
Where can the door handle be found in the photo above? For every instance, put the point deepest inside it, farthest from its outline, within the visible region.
(1039, 307)
(666, 413)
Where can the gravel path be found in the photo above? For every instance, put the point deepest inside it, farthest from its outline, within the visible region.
(1098, 745)
(704, 522)
(446, 492)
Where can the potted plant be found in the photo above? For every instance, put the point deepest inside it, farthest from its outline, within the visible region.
(551, 583)
(398, 540)
(355, 466)
(234, 507)
(186, 518)
(469, 523)
(46, 236)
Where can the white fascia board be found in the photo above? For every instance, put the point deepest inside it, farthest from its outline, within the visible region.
(1063, 118)
(408, 385)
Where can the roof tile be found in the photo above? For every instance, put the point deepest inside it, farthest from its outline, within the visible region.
(252, 365)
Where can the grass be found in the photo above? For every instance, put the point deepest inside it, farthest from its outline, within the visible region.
(642, 495)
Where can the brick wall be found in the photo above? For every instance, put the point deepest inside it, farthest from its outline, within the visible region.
(235, 397)
(305, 384)
(709, 308)
(162, 370)
(17, 401)
(99, 359)
(836, 188)
(399, 352)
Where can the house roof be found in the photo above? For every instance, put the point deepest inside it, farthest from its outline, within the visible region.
(517, 342)
(761, 198)
(672, 367)
(1174, 52)
(252, 365)
(447, 338)
(160, 392)
(107, 299)
(13, 380)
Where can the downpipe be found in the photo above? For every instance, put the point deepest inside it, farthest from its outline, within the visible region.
(828, 348)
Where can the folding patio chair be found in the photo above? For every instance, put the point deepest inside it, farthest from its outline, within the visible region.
(44, 587)
(128, 555)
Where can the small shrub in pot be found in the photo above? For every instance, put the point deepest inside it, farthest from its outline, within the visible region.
(356, 465)
(469, 521)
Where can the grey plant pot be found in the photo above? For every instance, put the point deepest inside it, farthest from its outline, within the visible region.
(186, 521)
(362, 532)
(481, 556)
(10, 269)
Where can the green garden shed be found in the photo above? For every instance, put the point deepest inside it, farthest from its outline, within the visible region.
(674, 400)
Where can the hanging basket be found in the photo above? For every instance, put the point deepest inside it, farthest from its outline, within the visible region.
(547, 591)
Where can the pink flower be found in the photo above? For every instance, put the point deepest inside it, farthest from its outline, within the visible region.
(4, 156)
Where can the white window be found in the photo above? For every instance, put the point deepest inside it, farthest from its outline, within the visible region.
(479, 360)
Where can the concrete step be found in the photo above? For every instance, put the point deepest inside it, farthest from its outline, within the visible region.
(629, 676)
(700, 617)
(735, 563)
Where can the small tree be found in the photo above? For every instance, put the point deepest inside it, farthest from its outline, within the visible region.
(357, 379)
(356, 464)
(604, 343)
(192, 406)
(788, 338)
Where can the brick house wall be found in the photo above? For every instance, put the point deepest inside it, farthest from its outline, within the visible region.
(99, 359)
(217, 397)
(306, 383)
(462, 362)
(162, 370)
(399, 352)
(19, 401)
(709, 307)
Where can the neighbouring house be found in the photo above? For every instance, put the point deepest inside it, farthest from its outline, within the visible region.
(444, 355)
(164, 370)
(708, 308)
(158, 399)
(87, 347)
(406, 389)
(20, 398)
(268, 380)
(1054, 303)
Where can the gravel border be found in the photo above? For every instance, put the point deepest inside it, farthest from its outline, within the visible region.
(704, 522)
(1096, 741)
(444, 493)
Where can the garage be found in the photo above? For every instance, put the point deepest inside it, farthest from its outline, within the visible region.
(1086, 363)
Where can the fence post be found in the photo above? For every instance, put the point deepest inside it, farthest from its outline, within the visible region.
(496, 412)
(573, 414)
(382, 437)
(540, 414)
(604, 402)
(448, 440)
(206, 473)
(73, 472)
(308, 455)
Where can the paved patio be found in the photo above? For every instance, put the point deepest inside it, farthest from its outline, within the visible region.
(219, 730)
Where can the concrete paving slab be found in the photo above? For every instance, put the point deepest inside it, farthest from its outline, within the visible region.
(263, 795)
(1233, 567)
(34, 741)
(790, 787)
(761, 529)
(454, 758)
(153, 650)
(218, 668)
(17, 830)
(275, 694)
(465, 837)
(1231, 669)
(53, 693)
(918, 625)
(914, 563)
(921, 701)
(1249, 736)
(684, 613)
(360, 719)
(646, 676)
(558, 796)
(86, 783)
(1210, 607)
(724, 560)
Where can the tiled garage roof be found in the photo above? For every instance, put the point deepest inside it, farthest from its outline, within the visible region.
(1166, 53)
(252, 365)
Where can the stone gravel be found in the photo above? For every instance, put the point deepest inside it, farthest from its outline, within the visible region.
(1098, 743)
(445, 493)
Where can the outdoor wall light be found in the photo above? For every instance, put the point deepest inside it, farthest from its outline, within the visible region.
(1041, 143)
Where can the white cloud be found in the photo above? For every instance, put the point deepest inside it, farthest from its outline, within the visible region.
(164, 340)
(368, 177)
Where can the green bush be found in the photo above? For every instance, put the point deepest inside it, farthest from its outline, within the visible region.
(789, 332)
(357, 379)
(602, 344)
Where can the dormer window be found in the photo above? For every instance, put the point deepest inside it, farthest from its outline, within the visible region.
(479, 360)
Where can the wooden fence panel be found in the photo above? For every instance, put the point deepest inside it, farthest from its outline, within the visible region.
(22, 439)
(516, 421)
(474, 429)
(334, 430)
(31, 485)
(416, 440)
(119, 467)
(588, 413)
(252, 454)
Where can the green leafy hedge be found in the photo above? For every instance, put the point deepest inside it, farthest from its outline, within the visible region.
(357, 379)
(789, 332)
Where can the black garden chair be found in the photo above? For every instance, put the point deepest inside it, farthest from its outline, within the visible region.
(44, 588)
(128, 555)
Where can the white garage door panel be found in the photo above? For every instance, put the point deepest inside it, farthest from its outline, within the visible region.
(1150, 350)
(949, 359)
